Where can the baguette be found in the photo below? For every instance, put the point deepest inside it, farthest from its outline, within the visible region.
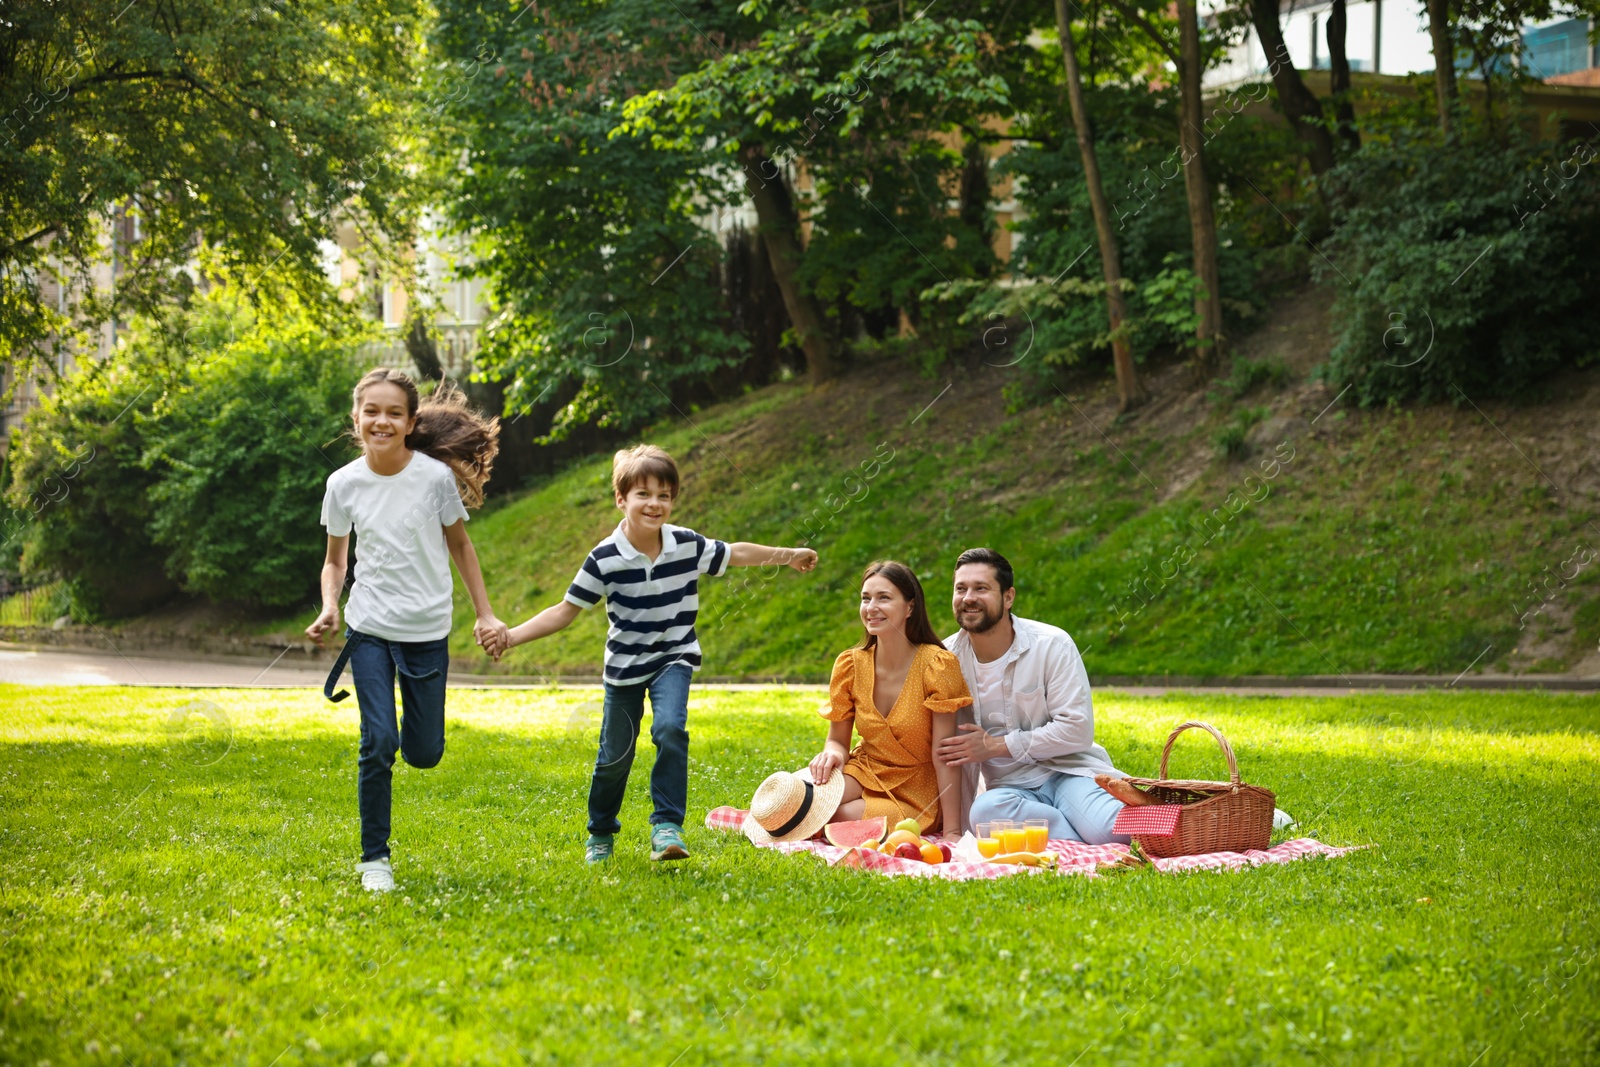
(1129, 794)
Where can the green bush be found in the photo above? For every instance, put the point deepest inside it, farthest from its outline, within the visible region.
(240, 451)
(197, 466)
(79, 494)
(1245, 374)
(1230, 440)
(1464, 267)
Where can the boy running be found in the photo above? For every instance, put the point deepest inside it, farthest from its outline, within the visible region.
(648, 572)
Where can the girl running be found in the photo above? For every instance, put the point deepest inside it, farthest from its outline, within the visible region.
(423, 463)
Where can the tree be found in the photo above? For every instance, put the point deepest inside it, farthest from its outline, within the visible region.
(1300, 105)
(1197, 185)
(779, 226)
(229, 133)
(1130, 390)
(1190, 59)
(858, 98)
(1444, 60)
(603, 279)
(1339, 75)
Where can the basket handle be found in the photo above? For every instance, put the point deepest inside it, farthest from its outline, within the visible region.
(1222, 742)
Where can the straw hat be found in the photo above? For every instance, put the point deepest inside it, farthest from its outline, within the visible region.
(789, 807)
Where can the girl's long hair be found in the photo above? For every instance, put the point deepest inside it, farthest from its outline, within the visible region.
(919, 630)
(447, 429)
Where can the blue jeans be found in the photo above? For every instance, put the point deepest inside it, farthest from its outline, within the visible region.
(421, 667)
(619, 736)
(1078, 809)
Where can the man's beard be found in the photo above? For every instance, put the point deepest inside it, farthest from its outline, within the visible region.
(984, 624)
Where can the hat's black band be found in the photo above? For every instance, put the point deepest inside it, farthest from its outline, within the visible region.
(799, 816)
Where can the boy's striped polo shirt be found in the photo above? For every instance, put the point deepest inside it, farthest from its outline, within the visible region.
(652, 605)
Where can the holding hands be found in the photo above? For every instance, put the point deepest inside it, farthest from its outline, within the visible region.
(492, 635)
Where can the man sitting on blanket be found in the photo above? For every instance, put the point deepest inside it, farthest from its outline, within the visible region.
(1034, 735)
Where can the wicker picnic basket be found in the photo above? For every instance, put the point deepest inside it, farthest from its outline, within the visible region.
(1217, 816)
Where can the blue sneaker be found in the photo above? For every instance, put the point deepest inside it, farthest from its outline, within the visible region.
(666, 842)
(598, 849)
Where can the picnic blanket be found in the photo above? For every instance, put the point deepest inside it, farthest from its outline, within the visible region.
(1073, 857)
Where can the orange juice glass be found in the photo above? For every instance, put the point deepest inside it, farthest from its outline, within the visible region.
(1037, 832)
(1013, 839)
(988, 847)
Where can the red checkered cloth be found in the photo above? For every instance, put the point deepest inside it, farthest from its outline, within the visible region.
(1154, 820)
(1073, 857)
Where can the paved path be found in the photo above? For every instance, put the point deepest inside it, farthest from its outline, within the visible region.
(54, 666)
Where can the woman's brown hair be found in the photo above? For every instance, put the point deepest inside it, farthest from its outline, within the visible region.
(447, 429)
(919, 630)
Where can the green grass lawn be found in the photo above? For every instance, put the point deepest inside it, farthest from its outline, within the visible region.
(172, 894)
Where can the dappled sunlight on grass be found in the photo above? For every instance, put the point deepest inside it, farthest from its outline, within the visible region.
(184, 891)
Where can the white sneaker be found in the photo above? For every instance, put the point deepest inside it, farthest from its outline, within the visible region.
(1281, 818)
(376, 875)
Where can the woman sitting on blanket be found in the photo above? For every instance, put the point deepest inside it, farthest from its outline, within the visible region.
(899, 689)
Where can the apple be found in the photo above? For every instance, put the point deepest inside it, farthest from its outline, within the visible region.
(907, 851)
(944, 850)
(909, 825)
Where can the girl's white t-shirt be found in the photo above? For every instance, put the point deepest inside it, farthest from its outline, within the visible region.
(402, 572)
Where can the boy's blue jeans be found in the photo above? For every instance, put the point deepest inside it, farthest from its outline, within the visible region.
(619, 736)
(421, 667)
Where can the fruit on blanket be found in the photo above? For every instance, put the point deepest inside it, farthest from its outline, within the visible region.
(859, 832)
(907, 851)
(911, 826)
(903, 837)
(1027, 859)
(944, 852)
(931, 853)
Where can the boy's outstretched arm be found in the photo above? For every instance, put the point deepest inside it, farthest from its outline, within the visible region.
(555, 617)
(745, 554)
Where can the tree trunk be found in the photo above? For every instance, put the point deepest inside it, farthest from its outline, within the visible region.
(1130, 390)
(780, 233)
(973, 198)
(1202, 222)
(1444, 60)
(1300, 105)
(420, 347)
(1339, 76)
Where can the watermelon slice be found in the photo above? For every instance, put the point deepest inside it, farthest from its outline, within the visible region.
(855, 834)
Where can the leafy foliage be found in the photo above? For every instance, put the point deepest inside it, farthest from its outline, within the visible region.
(79, 493)
(244, 127)
(1464, 269)
(190, 465)
(872, 95)
(1136, 147)
(606, 282)
(239, 450)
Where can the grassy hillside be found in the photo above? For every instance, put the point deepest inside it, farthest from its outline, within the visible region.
(1340, 542)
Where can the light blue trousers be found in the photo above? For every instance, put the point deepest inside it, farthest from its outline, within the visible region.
(1078, 810)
